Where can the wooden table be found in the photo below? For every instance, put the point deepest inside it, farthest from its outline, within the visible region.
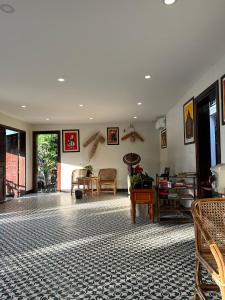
(88, 184)
(142, 196)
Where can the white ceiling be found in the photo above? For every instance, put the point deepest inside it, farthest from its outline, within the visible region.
(104, 48)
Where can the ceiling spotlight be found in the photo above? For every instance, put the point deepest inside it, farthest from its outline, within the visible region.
(6, 8)
(91, 118)
(135, 117)
(169, 2)
(81, 105)
(61, 80)
(47, 119)
(147, 76)
(139, 103)
(23, 106)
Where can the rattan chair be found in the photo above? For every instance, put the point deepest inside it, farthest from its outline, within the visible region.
(107, 180)
(209, 221)
(75, 174)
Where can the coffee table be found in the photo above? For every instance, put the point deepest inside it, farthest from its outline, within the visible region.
(89, 184)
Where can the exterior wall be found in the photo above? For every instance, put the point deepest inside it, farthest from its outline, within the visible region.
(12, 174)
(12, 122)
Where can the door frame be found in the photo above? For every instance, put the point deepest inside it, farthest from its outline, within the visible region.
(35, 134)
(24, 132)
(198, 99)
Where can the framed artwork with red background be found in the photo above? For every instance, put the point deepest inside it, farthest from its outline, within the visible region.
(113, 135)
(71, 140)
(223, 98)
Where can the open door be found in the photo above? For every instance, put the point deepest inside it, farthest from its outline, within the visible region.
(2, 163)
(208, 151)
(46, 161)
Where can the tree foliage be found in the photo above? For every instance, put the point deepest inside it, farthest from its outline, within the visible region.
(47, 156)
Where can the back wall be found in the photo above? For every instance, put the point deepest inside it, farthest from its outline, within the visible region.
(108, 156)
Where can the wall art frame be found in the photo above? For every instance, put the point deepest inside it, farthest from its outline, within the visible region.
(113, 136)
(71, 140)
(188, 121)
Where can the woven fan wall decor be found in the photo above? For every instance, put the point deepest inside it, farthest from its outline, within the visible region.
(133, 136)
(95, 139)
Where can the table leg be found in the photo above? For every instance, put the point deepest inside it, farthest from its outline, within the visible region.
(92, 189)
(133, 212)
(151, 213)
(97, 187)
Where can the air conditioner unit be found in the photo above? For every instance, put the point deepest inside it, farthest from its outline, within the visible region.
(160, 123)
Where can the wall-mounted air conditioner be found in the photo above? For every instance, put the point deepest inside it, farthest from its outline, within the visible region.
(160, 123)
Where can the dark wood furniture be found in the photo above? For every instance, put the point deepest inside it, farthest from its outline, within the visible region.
(174, 195)
(208, 215)
(142, 196)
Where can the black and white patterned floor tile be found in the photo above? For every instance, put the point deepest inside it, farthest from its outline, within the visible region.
(54, 247)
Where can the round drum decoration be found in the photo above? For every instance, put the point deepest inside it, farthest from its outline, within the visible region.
(131, 159)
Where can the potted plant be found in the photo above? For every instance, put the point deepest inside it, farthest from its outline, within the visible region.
(89, 169)
(140, 180)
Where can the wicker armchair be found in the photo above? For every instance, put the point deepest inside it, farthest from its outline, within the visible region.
(209, 221)
(108, 179)
(75, 174)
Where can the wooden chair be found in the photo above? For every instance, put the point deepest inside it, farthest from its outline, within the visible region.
(76, 174)
(209, 221)
(108, 179)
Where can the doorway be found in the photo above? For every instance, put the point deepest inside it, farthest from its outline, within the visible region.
(12, 163)
(208, 150)
(46, 161)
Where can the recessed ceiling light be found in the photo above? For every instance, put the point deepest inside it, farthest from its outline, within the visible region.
(81, 105)
(169, 2)
(91, 118)
(47, 119)
(147, 76)
(6, 8)
(61, 80)
(139, 103)
(23, 106)
(135, 117)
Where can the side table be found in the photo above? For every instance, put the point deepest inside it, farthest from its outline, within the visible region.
(142, 196)
(87, 184)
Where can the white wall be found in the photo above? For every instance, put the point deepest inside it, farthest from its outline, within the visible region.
(180, 157)
(109, 156)
(12, 122)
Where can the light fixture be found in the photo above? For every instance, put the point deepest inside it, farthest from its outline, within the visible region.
(47, 119)
(81, 105)
(91, 118)
(169, 2)
(6, 8)
(139, 103)
(23, 106)
(134, 117)
(61, 80)
(147, 76)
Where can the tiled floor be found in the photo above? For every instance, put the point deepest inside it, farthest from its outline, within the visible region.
(56, 247)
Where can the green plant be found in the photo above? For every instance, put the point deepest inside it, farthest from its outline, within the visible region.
(89, 168)
(47, 157)
(141, 180)
(135, 180)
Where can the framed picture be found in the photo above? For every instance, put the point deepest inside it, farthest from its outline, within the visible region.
(223, 98)
(71, 140)
(163, 139)
(188, 116)
(113, 135)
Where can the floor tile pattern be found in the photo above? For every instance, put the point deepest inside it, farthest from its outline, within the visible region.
(56, 247)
